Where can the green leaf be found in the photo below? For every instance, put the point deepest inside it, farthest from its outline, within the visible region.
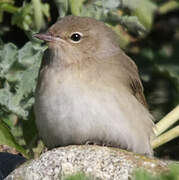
(11, 102)
(128, 4)
(31, 15)
(106, 11)
(40, 10)
(79, 176)
(62, 6)
(7, 6)
(23, 18)
(168, 6)
(46, 10)
(19, 71)
(112, 4)
(172, 174)
(132, 24)
(143, 175)
(76, 6)
(7, 57)
(145, 12)
(6, 138)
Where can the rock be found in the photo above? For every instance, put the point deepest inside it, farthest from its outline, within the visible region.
(102, 163)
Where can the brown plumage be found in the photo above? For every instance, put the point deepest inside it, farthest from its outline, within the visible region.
(90, 90)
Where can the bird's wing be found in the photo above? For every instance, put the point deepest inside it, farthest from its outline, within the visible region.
(134, 80)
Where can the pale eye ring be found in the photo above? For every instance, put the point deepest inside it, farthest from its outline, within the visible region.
(76, 37)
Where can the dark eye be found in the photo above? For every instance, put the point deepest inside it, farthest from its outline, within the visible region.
(76, 37)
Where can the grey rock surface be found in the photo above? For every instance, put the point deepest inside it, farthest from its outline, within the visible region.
(102, 163)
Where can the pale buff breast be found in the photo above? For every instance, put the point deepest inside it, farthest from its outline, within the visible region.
(77, 113)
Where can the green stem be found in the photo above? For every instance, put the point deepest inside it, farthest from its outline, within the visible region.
(167, 121)
(166, 137)
(8, 8)
(168, 6)
(76, 6)
(38, 16)
(7, 1)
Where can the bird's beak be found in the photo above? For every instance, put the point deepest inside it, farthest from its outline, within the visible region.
(45, 36)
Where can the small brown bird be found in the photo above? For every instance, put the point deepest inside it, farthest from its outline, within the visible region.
(89, 90)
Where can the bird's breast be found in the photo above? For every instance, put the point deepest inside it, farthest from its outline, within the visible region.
(68, 103)
(71, 111)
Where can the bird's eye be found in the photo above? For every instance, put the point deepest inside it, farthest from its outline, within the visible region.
(76, 37)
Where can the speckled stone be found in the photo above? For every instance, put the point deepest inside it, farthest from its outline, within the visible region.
(102, 163)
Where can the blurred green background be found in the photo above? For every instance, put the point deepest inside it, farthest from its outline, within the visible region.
(148, 32)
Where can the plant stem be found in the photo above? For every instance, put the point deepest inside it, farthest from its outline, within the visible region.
(76, 6)
(8, 8)
(169, 135)
(38, 17)
(167, 121)
(168, 6)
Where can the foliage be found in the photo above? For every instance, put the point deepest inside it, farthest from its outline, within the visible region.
(107, 11)
(148, 31)
(7, 138)
(25, 15)
(172, 174)
(18, 70)
(79, 176)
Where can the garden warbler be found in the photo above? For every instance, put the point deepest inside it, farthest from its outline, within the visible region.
(89, 90)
